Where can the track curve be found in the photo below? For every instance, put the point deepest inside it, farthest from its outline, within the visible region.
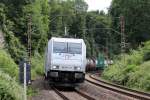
(92, 78)
(79, 94)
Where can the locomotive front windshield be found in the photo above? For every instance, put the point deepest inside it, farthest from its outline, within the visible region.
(63, 47)
(74, 48)
(60, 47)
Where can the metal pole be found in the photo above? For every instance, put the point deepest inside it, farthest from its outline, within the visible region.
(25, 88)
(84, 32)
(106, 47)
(123, 42)
(29, 39)
(29, 31)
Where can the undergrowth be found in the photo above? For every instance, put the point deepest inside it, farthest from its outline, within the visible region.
(37, 65)
(9, 88)
(133, 71)
(7, 64)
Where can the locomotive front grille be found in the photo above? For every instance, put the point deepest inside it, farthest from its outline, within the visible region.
(65, 76)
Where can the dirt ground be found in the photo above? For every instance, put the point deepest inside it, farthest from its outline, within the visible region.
(44, 90)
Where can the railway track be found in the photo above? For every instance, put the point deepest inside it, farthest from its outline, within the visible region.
(76, 95)
(60, 94)
(117, 88)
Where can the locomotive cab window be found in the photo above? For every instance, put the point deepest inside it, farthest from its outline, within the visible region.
(75, 48)
(60, 47)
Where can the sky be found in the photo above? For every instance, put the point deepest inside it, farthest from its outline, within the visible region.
(98, 4)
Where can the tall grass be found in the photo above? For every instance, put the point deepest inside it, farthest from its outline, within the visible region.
(7, 64)
(37, 65)
(9, 88)
(133, 71)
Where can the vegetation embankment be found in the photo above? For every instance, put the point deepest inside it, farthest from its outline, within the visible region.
(9, 78)
(9, 87)
(132, 71)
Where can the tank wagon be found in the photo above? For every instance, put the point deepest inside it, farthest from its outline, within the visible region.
(65, 61)
(99, 63)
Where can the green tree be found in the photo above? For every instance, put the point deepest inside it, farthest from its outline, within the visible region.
(38, 11)
(136, 13)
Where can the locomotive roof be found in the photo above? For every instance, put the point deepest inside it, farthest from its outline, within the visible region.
(67, 40)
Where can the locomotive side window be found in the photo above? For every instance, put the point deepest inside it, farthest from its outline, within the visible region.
(75, 48)
(59, 47)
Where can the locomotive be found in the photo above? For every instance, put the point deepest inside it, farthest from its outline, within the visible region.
(65, 61)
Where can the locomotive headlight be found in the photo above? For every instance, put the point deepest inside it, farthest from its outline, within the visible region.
(55, 67)
(77, 68)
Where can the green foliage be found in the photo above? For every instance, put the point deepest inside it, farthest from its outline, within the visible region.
(147, 56)
(37, 65)
(14, 25)
(15, 48)
(67, 13)
(136, 26)
(9, 89)
(38, 11)
(7, 64)
(140, 79)
(49, 18)
(31, 91)
(97, 35)
(132, 71)
(146, 49)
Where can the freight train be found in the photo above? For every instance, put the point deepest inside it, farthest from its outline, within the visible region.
(99, 63)
(65, 61)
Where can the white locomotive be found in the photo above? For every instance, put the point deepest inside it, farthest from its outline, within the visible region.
(65, 61)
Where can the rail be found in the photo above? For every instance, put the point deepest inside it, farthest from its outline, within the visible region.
(117, 88)
(81, 93)
(85, 95)
(60, 94)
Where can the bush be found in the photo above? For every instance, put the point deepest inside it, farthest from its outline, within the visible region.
(132, 71)
(37, 65)
(7, 64)
(140, 79)
(9, 88)
(32, 91)
(12, 43)
(147, 56)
